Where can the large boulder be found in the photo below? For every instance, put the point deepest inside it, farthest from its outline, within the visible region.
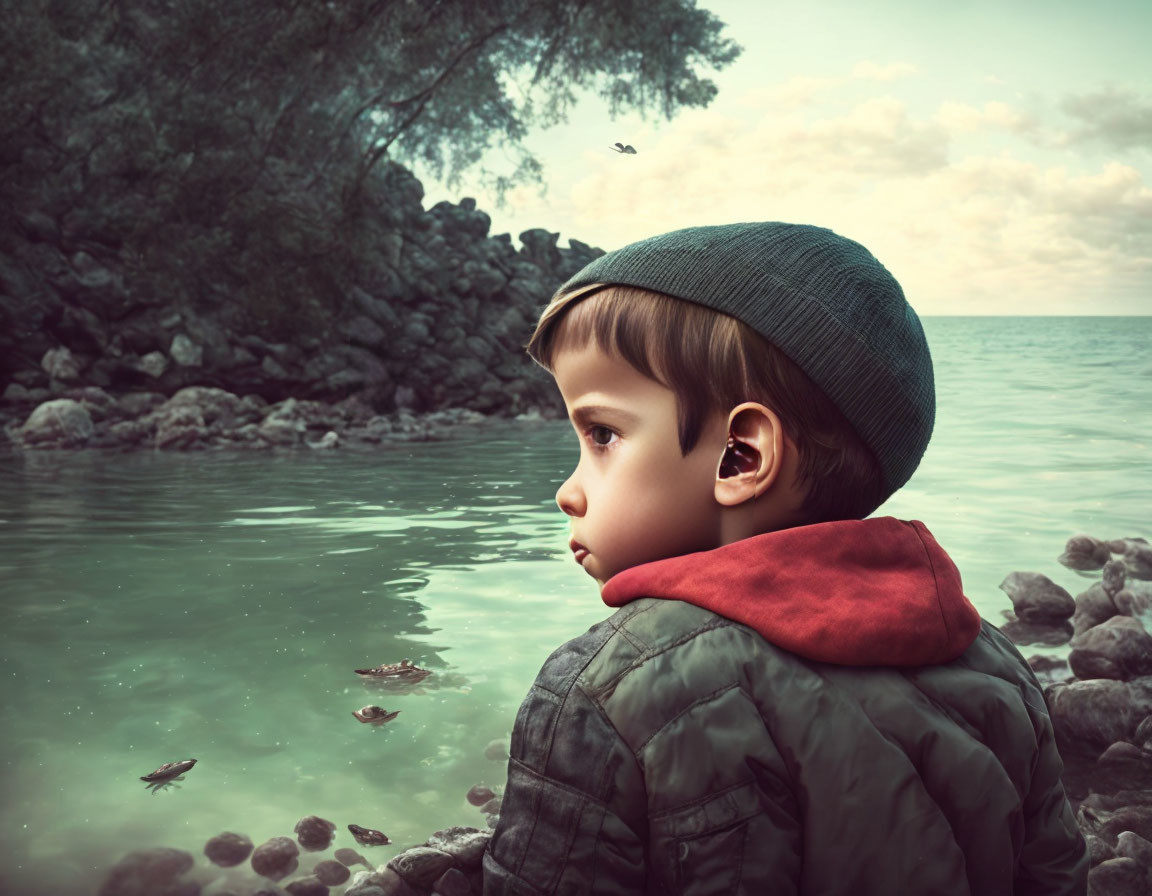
(1083, 552)
(1092, 715)
(1116, 648)
(59, 423)
(1037, 600)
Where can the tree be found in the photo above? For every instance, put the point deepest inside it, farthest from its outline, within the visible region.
(216, 148)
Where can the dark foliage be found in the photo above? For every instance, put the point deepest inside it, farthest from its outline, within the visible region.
(213, 151)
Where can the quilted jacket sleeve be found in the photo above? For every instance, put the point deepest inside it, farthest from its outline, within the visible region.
(1054, 855)
(572, 818)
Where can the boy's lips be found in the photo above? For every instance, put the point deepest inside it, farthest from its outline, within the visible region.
(578, 550)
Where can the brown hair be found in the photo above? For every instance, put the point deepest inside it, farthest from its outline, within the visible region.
(713, 362)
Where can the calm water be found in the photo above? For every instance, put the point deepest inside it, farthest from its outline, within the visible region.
(164, 606)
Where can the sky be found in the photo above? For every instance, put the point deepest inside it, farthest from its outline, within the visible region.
(995, 157)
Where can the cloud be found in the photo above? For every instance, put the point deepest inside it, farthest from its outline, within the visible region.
(871, 71)
(1121, 119)
(962, 118)
(802, 90)
(974, 234)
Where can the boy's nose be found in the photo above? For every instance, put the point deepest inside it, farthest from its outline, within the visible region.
(570, 499)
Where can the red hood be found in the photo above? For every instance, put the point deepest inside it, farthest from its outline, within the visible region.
(875, 592)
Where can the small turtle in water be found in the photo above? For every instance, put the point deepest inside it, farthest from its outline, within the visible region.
(368, 837)
(375, 715)
(401, 671)
(167, 773)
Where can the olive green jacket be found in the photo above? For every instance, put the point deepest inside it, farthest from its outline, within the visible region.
(672, 750)
(813, 710)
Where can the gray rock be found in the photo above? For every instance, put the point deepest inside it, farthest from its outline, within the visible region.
(1092, 607)
(329, 441)
(1093, 714)
(1050, 669)
(62, 422)
(496, 749)
(420, 866)
(1133, 846)
(154, 364)
(276, 858)
(99, 404)
(347, 856)
(1136, 554)
(384, 882)
(1084, 552)
(452, 882)
(1118, 877)
(282, 432)
(1037, 600)
(185, 352)
(1098, 850)
(1113, 577)
(1046, 634)
(60, 364)
(146, 871)
(228, 849)
(1135, 604)
(1116, 648)
(1143, 736)
(314, 833)
(179, 426)
(1109, 815)
(465, 845)
(307, 886)
(14, 393)
(480, 794)
(274, 369)
(331, 873)
(492, 807)
(1123, 766)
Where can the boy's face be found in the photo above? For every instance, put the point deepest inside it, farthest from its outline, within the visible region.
(632, 497)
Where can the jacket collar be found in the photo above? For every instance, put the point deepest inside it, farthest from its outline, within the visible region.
(875, 592)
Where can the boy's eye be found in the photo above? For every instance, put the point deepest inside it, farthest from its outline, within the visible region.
(600, 435)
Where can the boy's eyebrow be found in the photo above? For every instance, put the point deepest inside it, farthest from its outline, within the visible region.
(581, 415)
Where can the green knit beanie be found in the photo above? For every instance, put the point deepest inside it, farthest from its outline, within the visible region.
(823, 300)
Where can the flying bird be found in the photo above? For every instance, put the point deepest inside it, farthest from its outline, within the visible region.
(620, 147)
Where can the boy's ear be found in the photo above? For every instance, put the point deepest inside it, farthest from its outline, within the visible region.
(753, 456)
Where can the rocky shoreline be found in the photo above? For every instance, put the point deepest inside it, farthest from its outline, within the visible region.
(436, 322)
(1100, 699)
(203, 417)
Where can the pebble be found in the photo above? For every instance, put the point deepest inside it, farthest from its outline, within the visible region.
(307, 886)
(480, 794)
(347, 856)
(331, 873)
(496, 749)
(145, 872)
(228, 849)
(276, 858)
(315, 833)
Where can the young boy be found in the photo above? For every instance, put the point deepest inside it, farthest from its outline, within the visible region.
(791, 698)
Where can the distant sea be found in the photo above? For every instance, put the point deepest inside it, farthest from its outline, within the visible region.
(163, 606)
